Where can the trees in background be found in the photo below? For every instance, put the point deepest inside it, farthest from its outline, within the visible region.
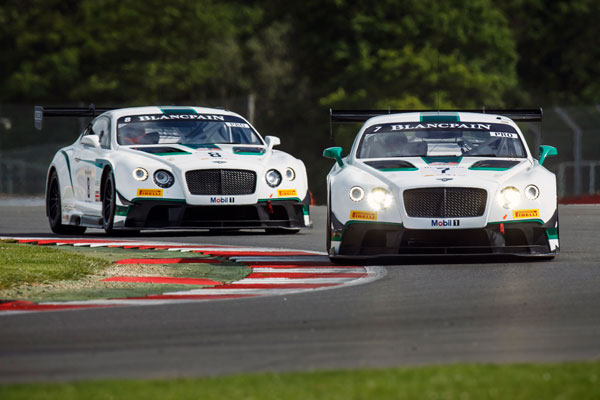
(136, 51)
(402, 54)
(559, 59)
(300, 58)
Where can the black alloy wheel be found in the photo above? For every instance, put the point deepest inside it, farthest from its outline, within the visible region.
(53, 209)
(108, 203)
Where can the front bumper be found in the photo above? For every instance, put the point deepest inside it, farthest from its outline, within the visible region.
(530, 238)
(157, 214)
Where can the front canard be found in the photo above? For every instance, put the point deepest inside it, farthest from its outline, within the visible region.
(363, 215)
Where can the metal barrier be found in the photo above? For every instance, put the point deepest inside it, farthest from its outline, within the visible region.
(578, 169)
(21, 177)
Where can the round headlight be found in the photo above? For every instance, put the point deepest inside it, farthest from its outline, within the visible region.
(532, 192)
(509, 197)
(163, 178)
(273, 178)
(140, 174)
(290, 174)
(357, 193)
(379, 198)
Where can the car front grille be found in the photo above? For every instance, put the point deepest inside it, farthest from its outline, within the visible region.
(221, 181)
(452, 202)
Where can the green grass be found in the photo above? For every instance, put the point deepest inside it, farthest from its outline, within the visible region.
(578, 381)
(66, 273)
(25, 264)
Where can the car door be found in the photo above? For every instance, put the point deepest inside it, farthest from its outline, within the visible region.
(89, 161)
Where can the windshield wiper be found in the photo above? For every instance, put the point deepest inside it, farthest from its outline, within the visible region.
(480, 155)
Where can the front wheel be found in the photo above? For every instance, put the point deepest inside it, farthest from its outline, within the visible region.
(328, 230)
(108, 203)
(54, 210)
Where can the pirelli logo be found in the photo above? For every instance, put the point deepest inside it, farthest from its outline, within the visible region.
(287, 193)
(519, 214)
(363, 215)
(150, 193)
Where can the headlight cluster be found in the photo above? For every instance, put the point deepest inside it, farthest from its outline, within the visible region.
(532, 192)
(290, 174)
(357, 193)
(510, 196)
(274, 178)
(378, 198)
(164, 179)
(140, 174)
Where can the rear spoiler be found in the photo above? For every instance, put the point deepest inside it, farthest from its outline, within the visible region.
(39, 112)
(521, 115)
(348, 116)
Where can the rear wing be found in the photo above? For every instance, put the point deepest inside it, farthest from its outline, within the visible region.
(521, 115)
(39, 112)
(350, 116)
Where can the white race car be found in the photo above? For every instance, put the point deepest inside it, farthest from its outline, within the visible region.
(430, 183)
(172, 167)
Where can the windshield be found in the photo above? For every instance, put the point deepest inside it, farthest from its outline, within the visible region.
(466, 139)
(187, 129)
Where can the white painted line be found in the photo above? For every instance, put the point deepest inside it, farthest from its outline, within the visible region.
(17, 312)
(232, 291)
(291, 259)
(373, 273)
(108, 302)
(309, 270)
(272, 281)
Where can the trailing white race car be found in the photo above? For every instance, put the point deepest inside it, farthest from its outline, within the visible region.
(440, 183)
(172, 167)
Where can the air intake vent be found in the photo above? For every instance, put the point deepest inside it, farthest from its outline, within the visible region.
(450, 202)
(221, 181)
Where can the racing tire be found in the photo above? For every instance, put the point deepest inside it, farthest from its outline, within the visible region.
(328, 230)
(281, 231)
(333, 259)
(109, 204)
(54, 210)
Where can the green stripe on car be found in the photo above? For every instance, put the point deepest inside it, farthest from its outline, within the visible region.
(439, 117)
(178, 110)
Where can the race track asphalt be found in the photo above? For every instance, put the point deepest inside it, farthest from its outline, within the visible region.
(422, 312)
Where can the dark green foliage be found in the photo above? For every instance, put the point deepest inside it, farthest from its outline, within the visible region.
(558, 51)
(297, 59)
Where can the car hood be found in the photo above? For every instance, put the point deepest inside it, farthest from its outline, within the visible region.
(188, 157)
(412, 172)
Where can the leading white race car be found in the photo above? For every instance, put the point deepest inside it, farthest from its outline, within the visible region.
(440, 183)
(172, 167)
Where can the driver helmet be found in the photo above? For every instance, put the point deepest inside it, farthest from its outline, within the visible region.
(132, 133)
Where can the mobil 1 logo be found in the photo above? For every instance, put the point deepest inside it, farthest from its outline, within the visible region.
(441, 223)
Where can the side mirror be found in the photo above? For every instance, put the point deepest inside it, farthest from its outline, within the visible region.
(272, 141)
(90, 140)
(546, 151)
(334, 152)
